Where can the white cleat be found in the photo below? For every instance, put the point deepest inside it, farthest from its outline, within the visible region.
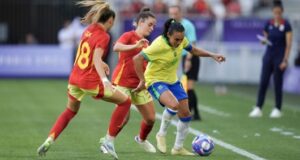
(256, 112)
(42, 150)
(146, 145)
(181, 152)
(107, 146)
(161, 143)
(276, 113)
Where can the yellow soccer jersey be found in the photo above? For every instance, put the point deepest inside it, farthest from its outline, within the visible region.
(163, 60)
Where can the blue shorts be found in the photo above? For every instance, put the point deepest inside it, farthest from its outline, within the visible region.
(156, 89)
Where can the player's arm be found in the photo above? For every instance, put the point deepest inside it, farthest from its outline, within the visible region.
(102, 68)
(204, 53)
(138, 61)
(120, 47)
(284, 62)
(289, 37)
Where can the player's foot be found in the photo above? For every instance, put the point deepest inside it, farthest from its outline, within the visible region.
(256, 112)
(161, 143)
(45, 147)
(107, 146)
(276, 113)
(146, 145)
(182, 152)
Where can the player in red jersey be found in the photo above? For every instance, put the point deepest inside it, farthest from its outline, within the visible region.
(88, 76)
(125, 78)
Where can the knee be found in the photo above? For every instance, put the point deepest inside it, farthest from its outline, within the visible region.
(174, 106)
(184, 113)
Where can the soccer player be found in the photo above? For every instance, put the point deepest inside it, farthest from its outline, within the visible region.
(88, 76)
(160, 78)
(124, 77)
(191, 63)
(278, 38)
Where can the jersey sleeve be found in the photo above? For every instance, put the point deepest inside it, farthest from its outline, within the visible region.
(288, 27)
(124, 39)
(187, 45)
(152, 52)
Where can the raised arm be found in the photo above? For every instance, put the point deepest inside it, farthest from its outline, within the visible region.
(120, 47)
(204, 53)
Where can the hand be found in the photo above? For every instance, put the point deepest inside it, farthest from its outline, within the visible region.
(283, 65)
(219, 58)
(142, 43)
(140, 87)
(105, 68)
(109, 89)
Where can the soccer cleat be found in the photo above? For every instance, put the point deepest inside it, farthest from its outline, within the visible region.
(107, 146)
(146, 145)
(181, 152)
(276, 113)
(45, 147)
(256, 112)
(161, 143)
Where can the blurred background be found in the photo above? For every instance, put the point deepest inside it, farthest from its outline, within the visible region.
(38, 38)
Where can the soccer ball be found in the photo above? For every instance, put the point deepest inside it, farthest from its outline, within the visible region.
(203, 145)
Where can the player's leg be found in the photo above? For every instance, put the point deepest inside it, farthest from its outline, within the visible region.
(148, 113)
(73, 105)
(117, 120)
(278, 82)
(263, 86)
(192, 75)
(185, 117)
(161, 92)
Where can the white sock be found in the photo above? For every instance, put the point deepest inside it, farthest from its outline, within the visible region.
(167, 116)
(110, 138)
(49, 140)
(182, 131)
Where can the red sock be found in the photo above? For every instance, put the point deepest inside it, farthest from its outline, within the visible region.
(61, 122)
(145, 130)
(118, 118)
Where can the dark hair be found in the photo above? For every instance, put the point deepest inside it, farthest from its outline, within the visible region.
(143, 15)
(277, 3)
(106, 14)
(170, 26)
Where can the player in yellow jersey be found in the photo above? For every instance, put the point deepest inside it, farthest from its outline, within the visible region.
(161, 80)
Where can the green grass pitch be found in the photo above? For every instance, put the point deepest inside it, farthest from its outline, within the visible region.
(28, 108)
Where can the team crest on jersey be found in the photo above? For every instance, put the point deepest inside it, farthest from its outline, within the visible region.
(281, 27)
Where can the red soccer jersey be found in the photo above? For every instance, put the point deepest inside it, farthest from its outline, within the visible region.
(124, 73)
(84, 74)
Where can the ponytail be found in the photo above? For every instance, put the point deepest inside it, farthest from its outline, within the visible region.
(99, 11)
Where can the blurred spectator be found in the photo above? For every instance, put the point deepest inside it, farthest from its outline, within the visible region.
(136, 6)
(30, 39)
(201, 7)
(66, 36)
(159, 7)
(233, 8)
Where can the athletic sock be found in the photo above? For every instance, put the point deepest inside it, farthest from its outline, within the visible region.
(167, 116)
(182, 131)
(61, 123)
(145, 130)
(118, 118)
